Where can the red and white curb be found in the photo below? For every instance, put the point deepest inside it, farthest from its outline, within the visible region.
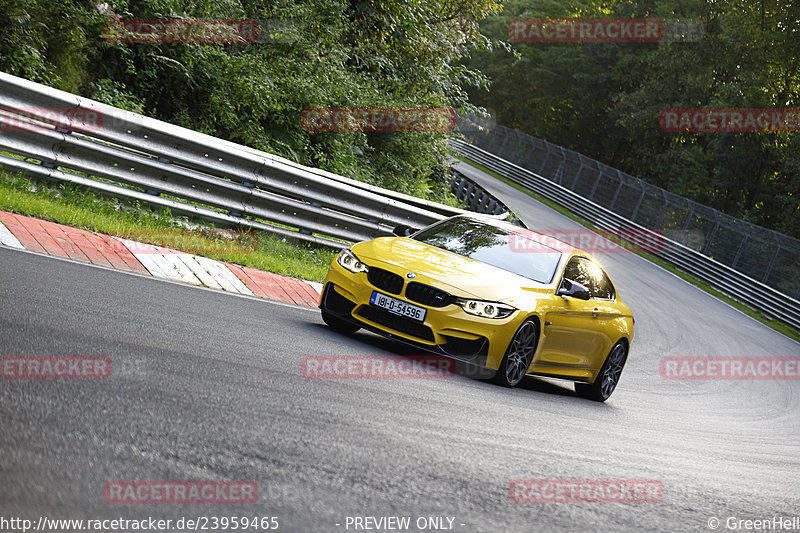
(7, 238)
(17, 231)
(188, 268)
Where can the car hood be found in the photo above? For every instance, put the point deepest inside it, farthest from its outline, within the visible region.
(456, 274)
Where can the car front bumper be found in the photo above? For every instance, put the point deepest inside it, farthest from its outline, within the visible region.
(447, 330)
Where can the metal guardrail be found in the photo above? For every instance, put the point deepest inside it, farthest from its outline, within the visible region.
(760, 253)
(140, 158)
(66, 138)
(473, 195)
(722, 277)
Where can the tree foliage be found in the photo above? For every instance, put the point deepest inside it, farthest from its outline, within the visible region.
(604, 99)
(313, 53)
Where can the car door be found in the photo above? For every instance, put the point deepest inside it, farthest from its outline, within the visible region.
(606, 317)
(575, 334)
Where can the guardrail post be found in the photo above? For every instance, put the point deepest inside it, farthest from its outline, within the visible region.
(513, 157)
(505, 139)
(616, 193)
(473, 201)
(559, 173)
(546, 157)
(477, 198)
(772, 260)
(639, 203)
(596, 182)
(561, 166)
(469, 191)
(686, 223)
(578, 173)
(707, 247)
(462, 182)
(663, 210)
(484, 202)
(739, 251)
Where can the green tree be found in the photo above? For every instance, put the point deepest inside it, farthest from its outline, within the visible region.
(316, 53)
(604, 99)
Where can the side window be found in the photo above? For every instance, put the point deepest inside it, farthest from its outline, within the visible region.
(605, 289)
(591, 276)
(579, 269)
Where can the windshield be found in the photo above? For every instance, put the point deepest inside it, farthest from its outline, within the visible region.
(491, 245)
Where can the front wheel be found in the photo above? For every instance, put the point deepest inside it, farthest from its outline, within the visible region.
(519, 355)
(607, 378)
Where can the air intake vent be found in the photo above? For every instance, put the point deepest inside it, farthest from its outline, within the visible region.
(427, 295)
(385, 280)
(396, 322)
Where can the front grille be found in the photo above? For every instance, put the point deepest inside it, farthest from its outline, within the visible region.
(335, 302)
(465, 347)
(396, 322)
(427, 295)
(383, 279)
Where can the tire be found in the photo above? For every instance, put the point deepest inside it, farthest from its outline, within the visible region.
(336, 323)
(607, 379)
(519, 355)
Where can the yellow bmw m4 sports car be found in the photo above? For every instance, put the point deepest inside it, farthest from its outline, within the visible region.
(488, 293)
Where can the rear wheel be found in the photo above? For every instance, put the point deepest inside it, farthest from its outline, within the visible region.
(607, 378)
(518, 355)
(334, 322)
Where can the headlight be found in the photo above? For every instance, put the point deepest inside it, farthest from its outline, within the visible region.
(485, 309)
(349, 261)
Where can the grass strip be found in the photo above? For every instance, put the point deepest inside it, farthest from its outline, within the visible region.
(72, 206)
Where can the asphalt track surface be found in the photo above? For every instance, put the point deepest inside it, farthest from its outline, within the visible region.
(207, 386)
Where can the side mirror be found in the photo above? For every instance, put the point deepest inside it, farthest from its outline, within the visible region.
(403, 231)
(573, 289)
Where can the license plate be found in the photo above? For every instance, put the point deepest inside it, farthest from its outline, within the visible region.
(398, 307)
